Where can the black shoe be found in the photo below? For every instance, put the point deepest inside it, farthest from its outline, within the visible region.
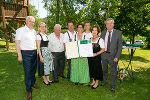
(47, 84)
(112, 90)
(76, 83)
(90, 85)
(95, 87)
(81, 83)
(51, 82)
(102, 84)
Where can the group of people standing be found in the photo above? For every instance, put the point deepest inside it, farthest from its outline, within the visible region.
(51, 54)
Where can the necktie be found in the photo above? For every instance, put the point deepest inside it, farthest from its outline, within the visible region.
(108, 43)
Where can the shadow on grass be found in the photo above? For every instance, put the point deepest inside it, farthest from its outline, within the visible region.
(140, 77)
(142, 74)
(135, 58)
(12, 82)
(146, 48)
(9, 66)
(2, 46)
(139, 88)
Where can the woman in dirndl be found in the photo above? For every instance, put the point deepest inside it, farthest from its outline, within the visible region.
(95, 65)
(45, 61)
(79, 66)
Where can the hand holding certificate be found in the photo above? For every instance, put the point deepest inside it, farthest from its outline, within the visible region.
(82, 48)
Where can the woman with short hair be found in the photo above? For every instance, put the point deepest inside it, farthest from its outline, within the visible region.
(95, 66)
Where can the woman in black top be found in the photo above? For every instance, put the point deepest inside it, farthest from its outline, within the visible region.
(95, 65)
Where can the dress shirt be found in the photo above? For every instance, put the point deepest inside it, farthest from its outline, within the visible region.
(106, 38)
(88, 36)
(66, 37)
(55, 44)
(27, 38)
(44, 36)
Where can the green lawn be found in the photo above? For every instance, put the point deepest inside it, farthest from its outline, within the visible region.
(12, 85)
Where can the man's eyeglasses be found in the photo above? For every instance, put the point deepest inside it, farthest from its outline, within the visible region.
(43, 26)
(32, 22)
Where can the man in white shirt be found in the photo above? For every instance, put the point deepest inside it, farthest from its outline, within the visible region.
(25, 42)
(69, 36)
(87, 34)
(56, 46)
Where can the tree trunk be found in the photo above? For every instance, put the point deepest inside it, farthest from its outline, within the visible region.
(7, 43)
(132, 43)
(11, 37)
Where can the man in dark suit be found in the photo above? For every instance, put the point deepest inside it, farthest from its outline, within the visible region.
(113, 49)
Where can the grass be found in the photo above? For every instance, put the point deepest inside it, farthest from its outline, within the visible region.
(12, 85)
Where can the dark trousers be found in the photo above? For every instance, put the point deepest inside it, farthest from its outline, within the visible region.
(30, 65)
(107, 59)
(59, 64)
(69, 69)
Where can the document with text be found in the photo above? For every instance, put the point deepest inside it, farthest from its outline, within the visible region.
(82, 48)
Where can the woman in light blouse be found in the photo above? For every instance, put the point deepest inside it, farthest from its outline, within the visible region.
(79, 66)
(45, 61)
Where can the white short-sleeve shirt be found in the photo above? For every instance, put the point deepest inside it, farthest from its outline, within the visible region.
(55, 44)
(27, 38)
(44, 37)
(88, 36)
(66, 37)
(101, 42)
(76, 36)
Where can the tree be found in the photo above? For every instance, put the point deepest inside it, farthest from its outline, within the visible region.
(133, 20)
(33, 12)
(68, 10)
(131, 16)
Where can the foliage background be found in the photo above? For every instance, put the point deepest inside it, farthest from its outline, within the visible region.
(132, 17)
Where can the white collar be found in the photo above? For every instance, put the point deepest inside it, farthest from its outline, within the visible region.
(71, 33)
(111, 30)
(28, 28)
(87, 33)
(42, 33)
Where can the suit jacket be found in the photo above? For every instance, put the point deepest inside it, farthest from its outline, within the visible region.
(115, 44)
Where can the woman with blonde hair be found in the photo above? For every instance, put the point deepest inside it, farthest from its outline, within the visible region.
(45, 61)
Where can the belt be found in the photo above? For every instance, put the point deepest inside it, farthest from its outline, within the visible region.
(107, 52)
(28, 50)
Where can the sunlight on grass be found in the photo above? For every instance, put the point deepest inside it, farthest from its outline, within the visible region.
(12, 86)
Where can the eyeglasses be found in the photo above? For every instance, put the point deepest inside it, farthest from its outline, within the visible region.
(43, 26)
(31, 22)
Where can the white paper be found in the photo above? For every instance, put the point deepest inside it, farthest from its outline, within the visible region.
(86, 50)
(71, 50)
(75, 50)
